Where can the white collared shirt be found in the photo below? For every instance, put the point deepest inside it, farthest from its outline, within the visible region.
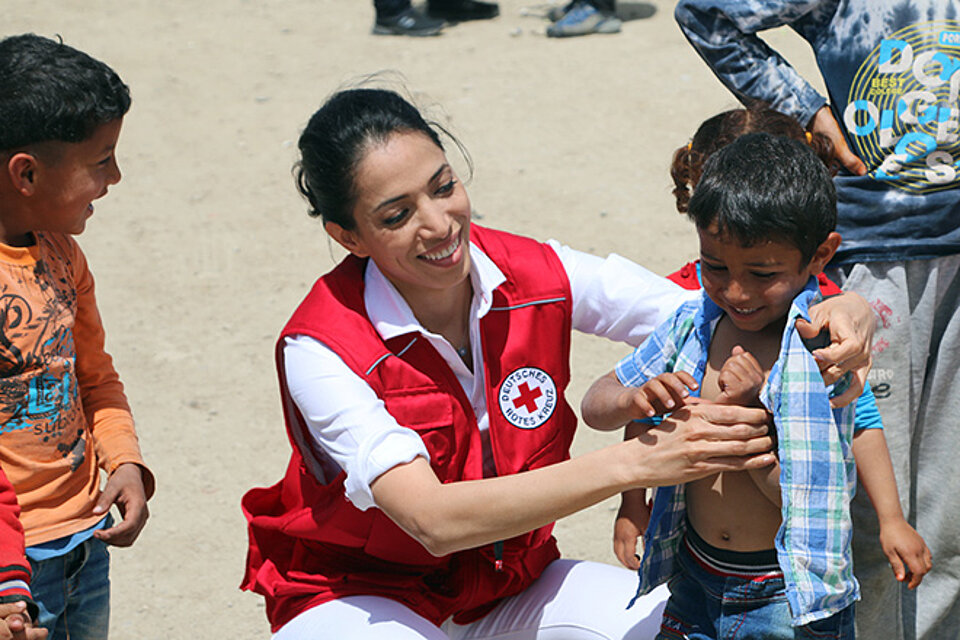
(611, 297)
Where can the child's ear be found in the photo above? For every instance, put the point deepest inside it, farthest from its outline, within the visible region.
(22, 169)
(346, 239)
(824, 253)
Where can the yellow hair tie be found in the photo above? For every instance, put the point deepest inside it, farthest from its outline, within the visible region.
(689, 146)
(809, 137)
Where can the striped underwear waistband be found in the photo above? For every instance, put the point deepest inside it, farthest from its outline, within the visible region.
(725, 561)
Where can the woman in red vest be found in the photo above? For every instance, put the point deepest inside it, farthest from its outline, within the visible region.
(423, 389)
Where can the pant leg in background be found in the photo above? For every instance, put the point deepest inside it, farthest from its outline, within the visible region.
(73, 592)
(388, 8)
(916, 356)
(606, 6)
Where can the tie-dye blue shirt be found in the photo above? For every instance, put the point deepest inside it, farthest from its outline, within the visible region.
(890, 67)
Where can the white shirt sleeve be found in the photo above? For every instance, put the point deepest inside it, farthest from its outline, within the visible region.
(346, 418)
(616, 298)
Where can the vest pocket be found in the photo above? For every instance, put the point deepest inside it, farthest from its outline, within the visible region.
(429, 413)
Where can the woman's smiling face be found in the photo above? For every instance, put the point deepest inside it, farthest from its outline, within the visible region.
(412, 215)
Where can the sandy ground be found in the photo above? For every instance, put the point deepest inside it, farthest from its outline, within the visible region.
(205, 248)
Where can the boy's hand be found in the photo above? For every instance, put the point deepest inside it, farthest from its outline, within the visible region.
(125, 489)
(631, 522)
(906, 551)
(15, 623)
(663, 393)
(741, 378)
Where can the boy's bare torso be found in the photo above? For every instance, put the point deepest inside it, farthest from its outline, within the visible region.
(737, 510)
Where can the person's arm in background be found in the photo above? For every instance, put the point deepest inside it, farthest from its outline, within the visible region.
(905, 549)
(17, 609)
(724, 34)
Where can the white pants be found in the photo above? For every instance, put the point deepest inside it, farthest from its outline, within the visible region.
(571, 601)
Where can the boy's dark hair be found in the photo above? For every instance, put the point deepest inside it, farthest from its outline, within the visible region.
(764, 187)
(52, 92)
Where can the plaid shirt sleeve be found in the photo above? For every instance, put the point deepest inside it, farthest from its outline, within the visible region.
(817, 479)
(660, 351)
(668, 348)
(724, 33)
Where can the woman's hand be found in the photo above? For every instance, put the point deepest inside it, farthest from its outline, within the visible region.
(701, 439)
(850, 322)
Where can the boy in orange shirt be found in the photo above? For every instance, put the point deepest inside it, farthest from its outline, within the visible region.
(63, 413)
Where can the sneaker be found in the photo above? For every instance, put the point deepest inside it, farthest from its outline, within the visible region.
(408, 22)
(463, 10)
(583, 19)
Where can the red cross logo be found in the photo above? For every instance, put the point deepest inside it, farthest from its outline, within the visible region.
(528, 397)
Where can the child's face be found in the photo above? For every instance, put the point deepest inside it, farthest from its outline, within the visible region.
(71, 178)
(756, 285)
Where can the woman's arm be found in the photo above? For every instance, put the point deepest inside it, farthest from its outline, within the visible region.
(694, 442)
(850, 321)
(348, 422)
(616, 298)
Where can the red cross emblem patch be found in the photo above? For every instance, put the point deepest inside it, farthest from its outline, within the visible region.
(527, 397)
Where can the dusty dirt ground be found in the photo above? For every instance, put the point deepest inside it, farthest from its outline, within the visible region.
(205, 248)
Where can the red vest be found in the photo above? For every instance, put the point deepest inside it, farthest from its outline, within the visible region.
(309, 544)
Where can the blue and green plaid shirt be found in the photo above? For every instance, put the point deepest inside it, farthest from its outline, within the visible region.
(817, 472)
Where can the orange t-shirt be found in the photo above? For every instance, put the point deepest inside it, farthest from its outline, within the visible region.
(63, 413)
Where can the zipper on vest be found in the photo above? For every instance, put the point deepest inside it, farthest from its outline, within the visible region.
(498, 555)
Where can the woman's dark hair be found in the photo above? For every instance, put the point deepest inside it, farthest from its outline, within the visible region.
(764, 187)
(722, 129)
(336, 138)
(52, 92)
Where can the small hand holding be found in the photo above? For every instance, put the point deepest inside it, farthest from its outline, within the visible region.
(631, 522)
(664, 393)
(15, 623)
(740, 379)
(125, 489)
